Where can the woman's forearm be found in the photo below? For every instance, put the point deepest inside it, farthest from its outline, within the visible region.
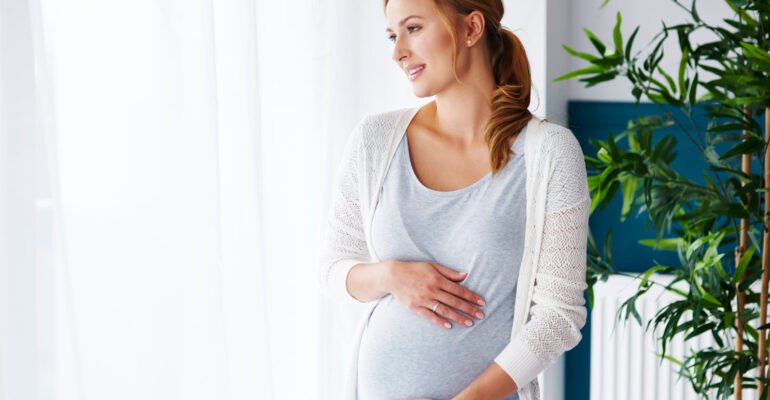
(493, 383)
(367, 282)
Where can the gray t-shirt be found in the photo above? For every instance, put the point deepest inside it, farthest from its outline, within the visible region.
(477, 229)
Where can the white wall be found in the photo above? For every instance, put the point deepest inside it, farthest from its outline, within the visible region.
(559, 14)
(527, 19)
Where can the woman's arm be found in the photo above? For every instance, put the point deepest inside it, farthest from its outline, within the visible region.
(558, 309)
(493, 383)
(367, 282)
(557, 313)
(344, 245)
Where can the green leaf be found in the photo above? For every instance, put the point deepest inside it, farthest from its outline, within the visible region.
(751, 22)
(757, 55)
(701, 329)
(607, 194)
(596, 199)
(672, 100)
(608, 176)
(669, 79)
(600, 47)
(630, 44)
(694, 12)
(646, 274)
(751, 144)
(629, 191)
(668, 244)
(742, 101)
(656, 98)
(717, 339)
(727, 127)
(575, 53)
(603, 155)
(705, 295)
(617, 37)
(670, 358)
(591, 81)
(662, 147)
(693, 90)
(682, 70)
(677, 291)
(594, 69)
(613, 147)
(696, 245)
(744, 261)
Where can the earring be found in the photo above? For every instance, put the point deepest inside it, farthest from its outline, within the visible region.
(469, 42)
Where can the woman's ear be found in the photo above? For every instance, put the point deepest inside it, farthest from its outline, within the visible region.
(473, 26)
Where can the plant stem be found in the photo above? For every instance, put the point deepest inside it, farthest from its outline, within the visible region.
(765, 267)
(739, 251)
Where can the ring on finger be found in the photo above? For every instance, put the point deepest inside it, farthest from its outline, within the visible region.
(436, 306)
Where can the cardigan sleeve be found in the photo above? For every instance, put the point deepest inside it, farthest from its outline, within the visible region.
(344, 242)
(558, 309)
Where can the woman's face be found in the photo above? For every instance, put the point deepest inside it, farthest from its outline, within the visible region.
(422, 42)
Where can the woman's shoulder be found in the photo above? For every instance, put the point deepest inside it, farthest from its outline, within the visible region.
(372, 136)
(554, 139)
(377, 129)
(386, 120)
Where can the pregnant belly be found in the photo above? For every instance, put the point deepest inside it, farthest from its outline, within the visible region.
(405, 356)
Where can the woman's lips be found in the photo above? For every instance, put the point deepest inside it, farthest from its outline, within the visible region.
(414, 73)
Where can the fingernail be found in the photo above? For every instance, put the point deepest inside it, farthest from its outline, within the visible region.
(479, 315)
(447, 325)
(468, 323)
(481, 302)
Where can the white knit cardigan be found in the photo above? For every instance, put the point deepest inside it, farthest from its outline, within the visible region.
(550, 307)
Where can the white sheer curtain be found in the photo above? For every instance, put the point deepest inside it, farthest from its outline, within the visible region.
(165, 168)
(164, 175)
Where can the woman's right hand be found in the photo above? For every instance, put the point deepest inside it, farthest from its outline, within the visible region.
(419, 285)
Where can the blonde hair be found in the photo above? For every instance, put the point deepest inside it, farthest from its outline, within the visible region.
(510, 65)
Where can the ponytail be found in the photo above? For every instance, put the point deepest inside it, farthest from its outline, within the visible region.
(510, 101)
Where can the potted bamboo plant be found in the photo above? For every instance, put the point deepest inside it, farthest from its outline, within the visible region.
(717, 294)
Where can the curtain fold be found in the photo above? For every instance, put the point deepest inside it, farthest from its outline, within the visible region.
(165, 170)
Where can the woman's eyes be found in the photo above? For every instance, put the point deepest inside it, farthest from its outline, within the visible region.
(392, 38)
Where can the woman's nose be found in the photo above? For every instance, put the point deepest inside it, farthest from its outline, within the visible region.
(399, 53)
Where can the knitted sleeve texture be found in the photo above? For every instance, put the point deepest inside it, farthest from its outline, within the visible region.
(558, 309)
(344, 241)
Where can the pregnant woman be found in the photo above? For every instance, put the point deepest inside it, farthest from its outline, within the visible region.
(461, 224)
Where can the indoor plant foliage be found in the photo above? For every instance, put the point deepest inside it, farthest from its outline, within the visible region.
(716, 226)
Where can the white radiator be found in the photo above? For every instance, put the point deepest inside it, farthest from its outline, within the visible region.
(624, 364)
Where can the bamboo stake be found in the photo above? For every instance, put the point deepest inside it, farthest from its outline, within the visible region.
(765, 266)
(738, 386)
(739, 251)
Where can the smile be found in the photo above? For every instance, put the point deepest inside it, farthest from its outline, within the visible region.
(415, 72)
